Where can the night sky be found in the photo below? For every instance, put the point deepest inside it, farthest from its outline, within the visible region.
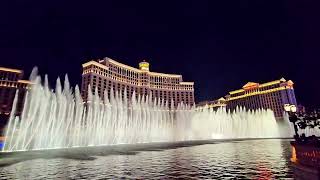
(218, 45)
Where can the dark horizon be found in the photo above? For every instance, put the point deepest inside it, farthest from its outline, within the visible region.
(220, 46)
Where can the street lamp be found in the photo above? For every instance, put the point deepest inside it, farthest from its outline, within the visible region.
(287, 107)
(293, 118)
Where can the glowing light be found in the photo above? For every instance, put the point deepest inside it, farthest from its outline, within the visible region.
(270, 83)
(144, 66)
(212, 104)
(187, 83)
(10, 70)
(14, 84)
(290, 82)
(287, 107)
(290, 108)
(236, 91)
(250, 85)
(293, 108)
(94, 63)
(294, 155)
(259, 92)
(1, 142)
(24, 81)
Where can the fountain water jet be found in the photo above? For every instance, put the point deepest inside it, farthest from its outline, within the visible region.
(59, 119)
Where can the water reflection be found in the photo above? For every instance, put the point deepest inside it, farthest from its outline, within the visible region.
(268, 159)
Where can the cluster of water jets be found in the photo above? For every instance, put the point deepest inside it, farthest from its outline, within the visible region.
(60, 119)
(242, 123)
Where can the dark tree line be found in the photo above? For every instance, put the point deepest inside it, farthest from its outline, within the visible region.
(303, 121)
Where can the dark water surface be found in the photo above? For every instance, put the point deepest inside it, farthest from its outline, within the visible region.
(252, 159)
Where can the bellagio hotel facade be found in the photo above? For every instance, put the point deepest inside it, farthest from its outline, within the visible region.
(109, 74)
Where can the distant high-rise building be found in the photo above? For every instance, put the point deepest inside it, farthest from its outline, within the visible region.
(215, 104)
(109, 74)
(10, 81)
(271, 95)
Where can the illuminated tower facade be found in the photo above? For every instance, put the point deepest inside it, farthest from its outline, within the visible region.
(10, 81)
(109, 74)
(271, 95)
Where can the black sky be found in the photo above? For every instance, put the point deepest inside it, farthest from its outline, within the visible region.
(219, 45)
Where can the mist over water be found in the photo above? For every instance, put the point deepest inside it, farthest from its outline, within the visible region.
(59, 119)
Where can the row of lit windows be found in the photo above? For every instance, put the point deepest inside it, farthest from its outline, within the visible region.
(161, 94)
(13, 84)
(256, 90)
(103, 82)
(118, 73)
(174, 87)
(123, 71)
(160, 79)
(110, 74)
(269, 87)
(143, 76)
(272, 101)
(187, 97)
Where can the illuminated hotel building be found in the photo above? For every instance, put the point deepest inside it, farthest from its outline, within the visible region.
(271, 95)
(109, 74)
(10, 81)
(215, 104)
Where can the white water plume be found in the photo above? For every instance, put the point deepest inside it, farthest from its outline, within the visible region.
(60, 119)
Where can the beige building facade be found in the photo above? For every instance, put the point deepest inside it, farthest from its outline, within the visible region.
(107, 74)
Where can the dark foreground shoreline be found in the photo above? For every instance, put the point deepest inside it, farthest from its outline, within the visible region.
(88, 153)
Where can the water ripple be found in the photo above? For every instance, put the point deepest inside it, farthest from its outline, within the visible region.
(241, 160)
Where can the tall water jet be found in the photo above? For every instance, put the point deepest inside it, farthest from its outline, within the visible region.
(60, 119)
